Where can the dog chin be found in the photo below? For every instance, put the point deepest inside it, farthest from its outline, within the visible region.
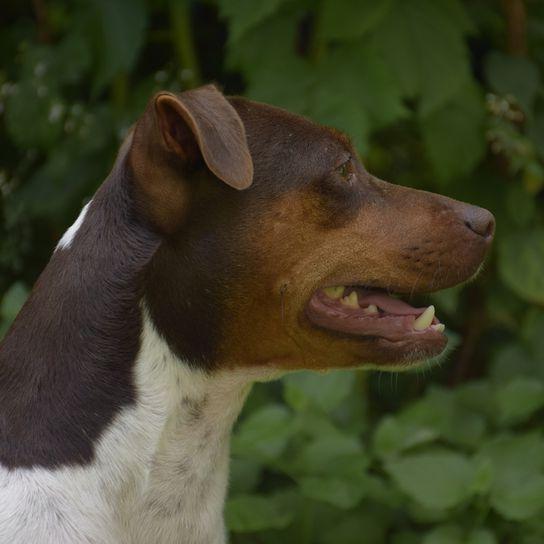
(407, 355)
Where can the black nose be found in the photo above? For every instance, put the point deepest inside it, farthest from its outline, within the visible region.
(479, 221)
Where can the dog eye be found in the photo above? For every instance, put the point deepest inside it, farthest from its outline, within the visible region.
(346, 169)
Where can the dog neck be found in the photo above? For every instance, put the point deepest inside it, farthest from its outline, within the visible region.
(189, 415)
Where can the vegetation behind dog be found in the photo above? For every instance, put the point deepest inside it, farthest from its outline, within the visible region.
(437, 94)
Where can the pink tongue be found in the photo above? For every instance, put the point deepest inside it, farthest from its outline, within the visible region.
(388, 304)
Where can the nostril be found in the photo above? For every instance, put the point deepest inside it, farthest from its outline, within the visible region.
(480, 221)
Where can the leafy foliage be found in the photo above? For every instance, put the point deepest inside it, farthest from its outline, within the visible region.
(436, 94)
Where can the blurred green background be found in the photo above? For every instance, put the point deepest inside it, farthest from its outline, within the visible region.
(441, 94)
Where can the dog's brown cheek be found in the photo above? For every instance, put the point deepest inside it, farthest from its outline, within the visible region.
(259, 330)
(291, 253)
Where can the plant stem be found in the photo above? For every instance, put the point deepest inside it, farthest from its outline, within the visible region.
(183, 40)
(317, 46)
(475, 325)
(515, 14)
(119, 91)
(42, 20)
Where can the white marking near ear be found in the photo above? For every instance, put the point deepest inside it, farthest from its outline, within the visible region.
(160, 470)
(66, 241)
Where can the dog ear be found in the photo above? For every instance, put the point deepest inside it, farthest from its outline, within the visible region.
(202, 125)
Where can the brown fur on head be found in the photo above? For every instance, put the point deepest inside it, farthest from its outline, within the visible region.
(259, 210)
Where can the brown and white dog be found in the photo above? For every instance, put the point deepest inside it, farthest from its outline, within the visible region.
(232, 242)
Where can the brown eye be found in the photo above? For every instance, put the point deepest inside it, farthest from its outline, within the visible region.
(346, 170)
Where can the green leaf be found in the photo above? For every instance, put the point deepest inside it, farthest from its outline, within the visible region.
(519, 399)
(455, 130)
(357, 82)
(520, 205)
(34, 115)
(451, 534)
(340, 492)
(533, 333)
(304, 390)
(474, 396)
(348, 87)
(437, 479)
(422, 514)
(457, 13)
(481, 536)
(424, 46)
(517, 76)
(536, 132)
(521, 263)
(264, 434)
(349, 19)
(72, 58)
(243, 15)
(448, 534)
(121, 31)
(250, 513)
(11, 304)
(253, 49)
(244, 475)
(331, 468)
(515, 455)
(395, 435)
(521, 501)
(283, 82)
(406, 537)
(335, 455)
(517, 461)
(483, 479)
(274, 74)
(439, 414)
(368, 526)
(13, 301)
(511, 361)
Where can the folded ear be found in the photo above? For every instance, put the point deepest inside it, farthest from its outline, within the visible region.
(202, 125)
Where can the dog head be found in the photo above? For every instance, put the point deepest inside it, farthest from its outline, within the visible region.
(279, 249)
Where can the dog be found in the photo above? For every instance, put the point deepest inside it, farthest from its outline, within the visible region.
(231, 243)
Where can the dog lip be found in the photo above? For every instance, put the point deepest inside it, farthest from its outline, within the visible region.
(414, 351)
(394, 322)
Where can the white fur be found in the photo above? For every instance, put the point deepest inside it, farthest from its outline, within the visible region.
(66, 241)
(160, 470)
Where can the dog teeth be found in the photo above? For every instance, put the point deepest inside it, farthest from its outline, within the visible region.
(351, 301)
(439, 327)
(425, 319)
(371, 309)
(334, 292)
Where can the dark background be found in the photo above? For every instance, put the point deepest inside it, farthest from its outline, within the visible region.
(440, 94)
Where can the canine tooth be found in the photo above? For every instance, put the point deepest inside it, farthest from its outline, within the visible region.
(425, 319)
(351, 301)
(439, 327)
(371, 309)
(334, 292)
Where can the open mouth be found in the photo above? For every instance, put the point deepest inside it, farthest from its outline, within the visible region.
(368, 312)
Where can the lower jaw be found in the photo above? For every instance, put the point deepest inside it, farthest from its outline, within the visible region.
(375, 352)
(410, 351)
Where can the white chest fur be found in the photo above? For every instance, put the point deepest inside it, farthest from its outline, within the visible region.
(160, 471)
